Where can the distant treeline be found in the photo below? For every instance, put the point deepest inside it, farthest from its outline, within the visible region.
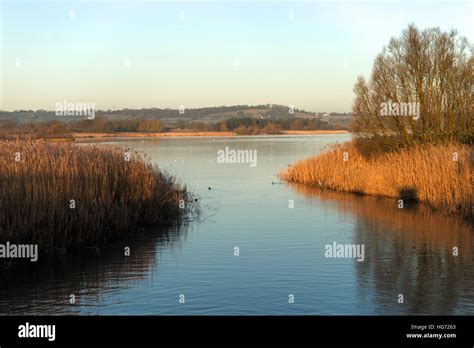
(274, 111)
(45, 130)
(240, 125)
(268, 110)
(248, 125)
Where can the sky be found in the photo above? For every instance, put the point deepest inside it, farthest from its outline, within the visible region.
(140, 54)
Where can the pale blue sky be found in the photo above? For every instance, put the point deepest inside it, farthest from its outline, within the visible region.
(202, 53)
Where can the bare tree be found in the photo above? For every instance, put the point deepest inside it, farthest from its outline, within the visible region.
(431, 70)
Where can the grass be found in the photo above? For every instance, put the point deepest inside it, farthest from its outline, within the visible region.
(112, 196)
(427, 174)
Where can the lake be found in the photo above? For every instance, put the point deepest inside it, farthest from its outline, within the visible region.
(280, 233)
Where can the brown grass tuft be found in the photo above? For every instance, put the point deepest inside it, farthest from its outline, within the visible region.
(112, 196)
(425, 174)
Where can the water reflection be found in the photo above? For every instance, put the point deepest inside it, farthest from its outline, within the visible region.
(87, 273)
(408, 251)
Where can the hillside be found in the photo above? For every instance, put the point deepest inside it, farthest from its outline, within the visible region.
(205, 115)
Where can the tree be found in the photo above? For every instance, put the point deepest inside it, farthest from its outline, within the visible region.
(242, 130)
(223, 126)
(151, 125)
(101, 125)
(271, 128)
(430, 70)
(297, 124)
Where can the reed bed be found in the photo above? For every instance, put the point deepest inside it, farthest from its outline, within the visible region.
(438, 175)
(112, 194)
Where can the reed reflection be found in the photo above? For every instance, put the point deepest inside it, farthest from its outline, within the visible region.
(87, 273)
(407, 251)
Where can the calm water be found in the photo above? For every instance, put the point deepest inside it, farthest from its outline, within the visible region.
(407, 251)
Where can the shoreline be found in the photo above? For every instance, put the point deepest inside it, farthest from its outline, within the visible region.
(173, 134)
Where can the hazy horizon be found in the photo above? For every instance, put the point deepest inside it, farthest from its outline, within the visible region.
(177, 108)
(202, 54)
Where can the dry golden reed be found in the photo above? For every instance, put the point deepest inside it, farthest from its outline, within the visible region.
(112, 196)
(429, 174)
